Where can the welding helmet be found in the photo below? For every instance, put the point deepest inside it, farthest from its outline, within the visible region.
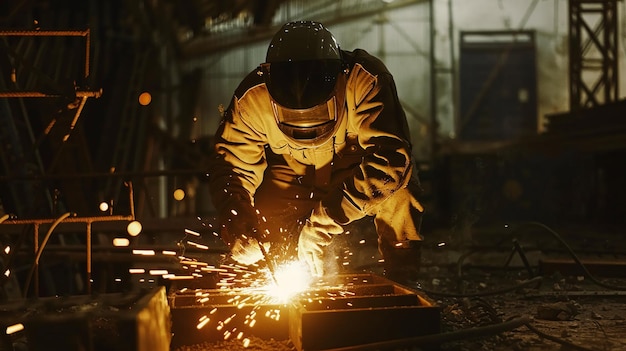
(305, 77)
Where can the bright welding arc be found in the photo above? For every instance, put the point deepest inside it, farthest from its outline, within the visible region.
(270, 263)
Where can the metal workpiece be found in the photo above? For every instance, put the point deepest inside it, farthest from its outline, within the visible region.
(363, 309)
(337, 311)
(138, 320)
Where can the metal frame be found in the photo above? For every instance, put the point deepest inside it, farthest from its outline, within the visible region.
(593, 52)
(53, 33)
(67, 218)
(81, 95)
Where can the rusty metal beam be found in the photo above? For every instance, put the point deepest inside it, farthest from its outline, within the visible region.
(38, 94)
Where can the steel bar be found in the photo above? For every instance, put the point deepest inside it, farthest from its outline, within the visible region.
(22, 94)
(142, 174)
(44, 33)
(41, 221)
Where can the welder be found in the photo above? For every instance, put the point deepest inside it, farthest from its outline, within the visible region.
(314, 139)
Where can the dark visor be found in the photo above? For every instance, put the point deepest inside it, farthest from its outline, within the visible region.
(301, 84)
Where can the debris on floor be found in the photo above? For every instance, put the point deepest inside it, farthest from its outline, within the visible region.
(255, 344)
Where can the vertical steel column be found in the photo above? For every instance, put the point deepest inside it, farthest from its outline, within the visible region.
(434, 125)
(593, 39)
(36, 263)
(88, 247)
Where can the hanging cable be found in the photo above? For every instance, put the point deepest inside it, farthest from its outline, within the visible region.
(41, 247)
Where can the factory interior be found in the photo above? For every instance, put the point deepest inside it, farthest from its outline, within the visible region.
(517, 115)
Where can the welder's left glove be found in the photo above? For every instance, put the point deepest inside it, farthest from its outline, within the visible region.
(315, 236)
(246, 250)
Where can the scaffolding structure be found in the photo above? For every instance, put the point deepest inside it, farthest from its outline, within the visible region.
(593, 46)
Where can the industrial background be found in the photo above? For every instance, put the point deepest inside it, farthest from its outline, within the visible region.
(107, 110)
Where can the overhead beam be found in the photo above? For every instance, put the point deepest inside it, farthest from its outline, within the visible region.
(219, 43)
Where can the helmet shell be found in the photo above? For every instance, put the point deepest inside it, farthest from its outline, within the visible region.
(304, 76)
(302, 41)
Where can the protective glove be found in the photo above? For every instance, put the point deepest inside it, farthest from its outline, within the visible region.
(237, 217)
(316, 234)
(239, 223)
(247, 251)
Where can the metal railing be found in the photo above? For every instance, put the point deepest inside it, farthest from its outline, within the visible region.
(65, 218)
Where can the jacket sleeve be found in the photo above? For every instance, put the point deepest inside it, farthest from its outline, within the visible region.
(238, 162)
(383, 134)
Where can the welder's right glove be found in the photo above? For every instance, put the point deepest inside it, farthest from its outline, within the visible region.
(237, 218)
(316, 234)
(239, 223)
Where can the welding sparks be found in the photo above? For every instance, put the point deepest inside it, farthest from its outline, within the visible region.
(191, 232)
(121, 242)
(14, 328)
(158, 272)
(203, 321)
(291, 279)
(144, 252)
(200, 246)
(247, 288)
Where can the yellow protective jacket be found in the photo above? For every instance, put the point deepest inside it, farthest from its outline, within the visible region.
(366, 160)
